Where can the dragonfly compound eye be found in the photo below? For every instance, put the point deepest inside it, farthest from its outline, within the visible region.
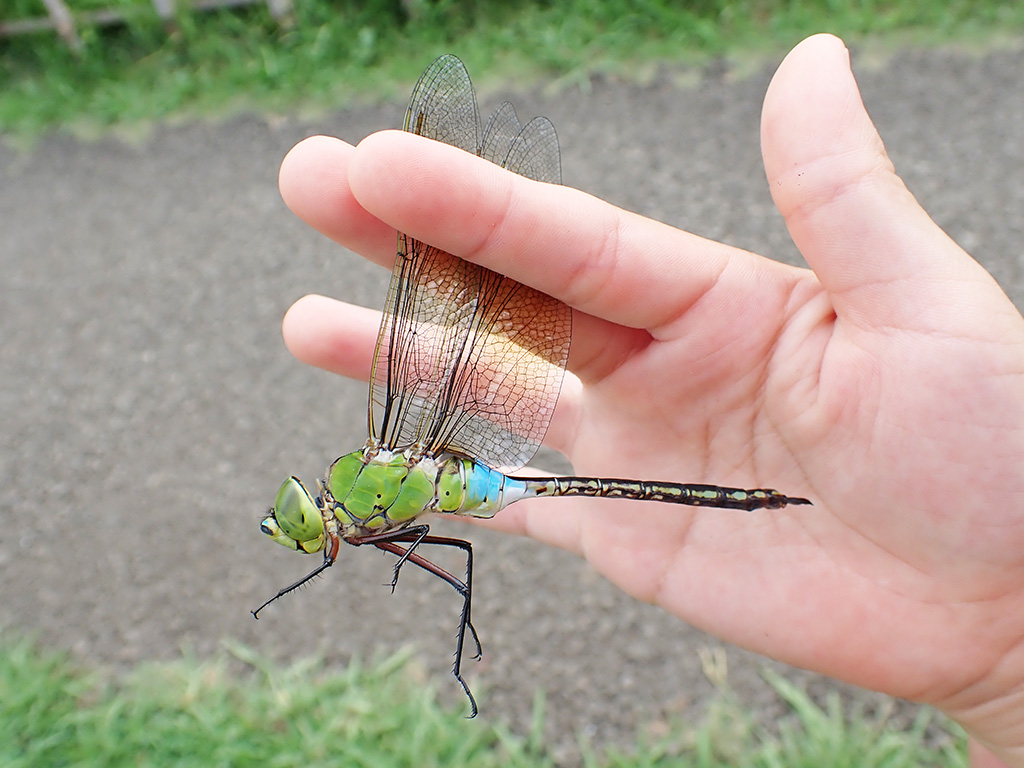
(295, 521)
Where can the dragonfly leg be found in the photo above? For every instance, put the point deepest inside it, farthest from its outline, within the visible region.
(419, 532)
(330, 555)
(389, 542)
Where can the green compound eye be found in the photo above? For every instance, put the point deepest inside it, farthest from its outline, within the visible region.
(295, 521)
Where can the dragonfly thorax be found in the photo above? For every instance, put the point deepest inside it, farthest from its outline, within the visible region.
(373, 492)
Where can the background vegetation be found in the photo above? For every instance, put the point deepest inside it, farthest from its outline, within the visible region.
(333, 51)
(240, 710)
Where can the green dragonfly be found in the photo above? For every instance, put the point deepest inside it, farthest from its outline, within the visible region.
(466, 373)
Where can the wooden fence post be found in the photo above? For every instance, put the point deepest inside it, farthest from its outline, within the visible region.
(62, 20)
(63, 23)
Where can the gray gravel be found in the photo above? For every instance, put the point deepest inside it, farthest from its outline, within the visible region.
(150, 410)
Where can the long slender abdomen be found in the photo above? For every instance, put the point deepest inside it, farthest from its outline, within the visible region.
(694, 495)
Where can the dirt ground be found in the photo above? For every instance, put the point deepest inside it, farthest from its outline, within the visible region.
(150, 410)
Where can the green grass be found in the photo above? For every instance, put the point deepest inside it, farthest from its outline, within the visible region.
(336, 51)
(241, 710)
(214, 714)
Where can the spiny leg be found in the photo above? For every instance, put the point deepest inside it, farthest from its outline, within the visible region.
(330, 555)
(417, 535)
(388, 543)
(414, 534)
(465, 589)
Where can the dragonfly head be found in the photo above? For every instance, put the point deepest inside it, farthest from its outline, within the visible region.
(295, 520)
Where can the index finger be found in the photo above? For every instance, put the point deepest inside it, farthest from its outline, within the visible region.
(593, 255)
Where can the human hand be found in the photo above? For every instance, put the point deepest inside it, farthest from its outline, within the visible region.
(887, 385)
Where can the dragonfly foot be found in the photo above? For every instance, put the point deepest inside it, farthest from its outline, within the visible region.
(473, 709)
(479, 652)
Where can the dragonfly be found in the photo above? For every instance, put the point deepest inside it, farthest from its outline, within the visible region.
(466, 373)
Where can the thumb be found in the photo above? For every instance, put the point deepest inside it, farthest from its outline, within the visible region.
(883, 261)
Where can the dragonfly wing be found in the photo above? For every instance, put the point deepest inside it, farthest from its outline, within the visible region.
(443, 106)
(469, 361)
(531, 151)
(500, 132)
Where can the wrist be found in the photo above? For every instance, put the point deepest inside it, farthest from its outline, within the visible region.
(995, 727)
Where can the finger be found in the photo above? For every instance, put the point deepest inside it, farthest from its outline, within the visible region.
(596, 257)
(314, 184)
(881, 258)
(332, 335)
(340, 337)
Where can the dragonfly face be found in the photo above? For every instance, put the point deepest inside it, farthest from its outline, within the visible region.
(295, 520)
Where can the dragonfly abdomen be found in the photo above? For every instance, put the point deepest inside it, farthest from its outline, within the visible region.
(691, 494)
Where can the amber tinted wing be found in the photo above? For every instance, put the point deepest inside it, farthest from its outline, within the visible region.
(467, 360)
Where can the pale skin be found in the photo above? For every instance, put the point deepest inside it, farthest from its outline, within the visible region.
(885, 383)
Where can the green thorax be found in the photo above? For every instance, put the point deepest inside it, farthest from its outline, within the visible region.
(372, 491)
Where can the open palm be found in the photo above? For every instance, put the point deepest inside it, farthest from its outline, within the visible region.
(887, 385)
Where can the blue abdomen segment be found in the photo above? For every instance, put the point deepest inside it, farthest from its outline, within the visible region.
(466, 487)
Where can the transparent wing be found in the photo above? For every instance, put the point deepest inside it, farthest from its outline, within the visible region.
(467, 360)
(443, 106)
(531, 151)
